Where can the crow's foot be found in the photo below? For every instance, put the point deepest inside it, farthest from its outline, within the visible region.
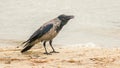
(54, 52)
(47, 53)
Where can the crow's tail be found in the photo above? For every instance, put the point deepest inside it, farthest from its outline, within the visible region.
(23, 43)
(27, 47)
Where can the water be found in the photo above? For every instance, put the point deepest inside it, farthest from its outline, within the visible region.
(96, 22)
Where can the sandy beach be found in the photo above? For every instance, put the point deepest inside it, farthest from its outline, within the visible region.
(69, 57)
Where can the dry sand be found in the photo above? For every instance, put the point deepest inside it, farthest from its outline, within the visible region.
(69, 57)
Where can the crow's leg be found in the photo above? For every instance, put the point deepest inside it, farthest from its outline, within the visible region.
(44, 43)
(50, 42)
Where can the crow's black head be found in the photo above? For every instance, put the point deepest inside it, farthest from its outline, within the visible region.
(65, 17)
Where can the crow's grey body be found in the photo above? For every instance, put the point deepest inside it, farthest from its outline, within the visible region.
(46, 32)
(49, 35)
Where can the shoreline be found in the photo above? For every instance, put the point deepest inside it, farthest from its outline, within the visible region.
(72, 57)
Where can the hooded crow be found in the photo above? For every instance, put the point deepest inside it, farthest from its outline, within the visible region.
(47, 32)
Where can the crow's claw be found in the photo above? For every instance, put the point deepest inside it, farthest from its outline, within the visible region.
(47, 53)
(54, 52)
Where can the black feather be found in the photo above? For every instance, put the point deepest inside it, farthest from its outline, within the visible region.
(28, 46)
(40, 32)
(61, 26)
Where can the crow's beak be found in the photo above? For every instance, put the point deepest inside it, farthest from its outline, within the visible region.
(71, 17)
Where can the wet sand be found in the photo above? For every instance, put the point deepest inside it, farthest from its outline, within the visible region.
(69, 57)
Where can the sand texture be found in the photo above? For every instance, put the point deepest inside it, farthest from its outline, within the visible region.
(69, 57)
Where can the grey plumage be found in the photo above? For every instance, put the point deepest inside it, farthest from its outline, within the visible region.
(47, 32)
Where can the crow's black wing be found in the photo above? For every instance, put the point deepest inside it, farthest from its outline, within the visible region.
(40, 32)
